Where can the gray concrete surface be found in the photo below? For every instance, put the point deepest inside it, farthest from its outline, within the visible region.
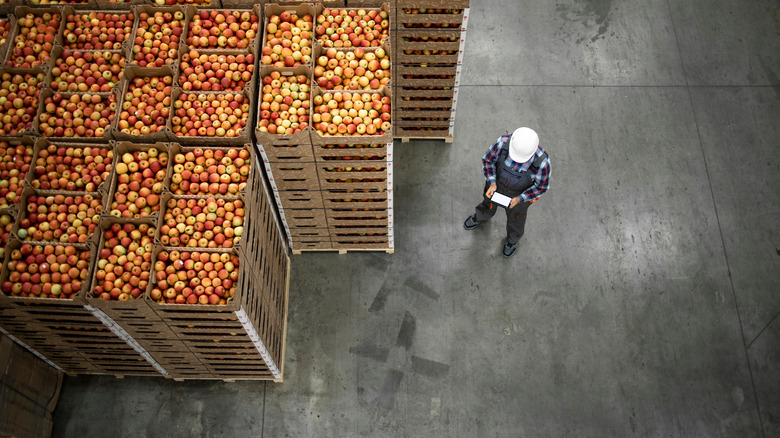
(643, 300)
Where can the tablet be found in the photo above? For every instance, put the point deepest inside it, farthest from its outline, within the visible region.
(500, 199)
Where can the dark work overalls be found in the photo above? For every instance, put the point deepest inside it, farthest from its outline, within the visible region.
(510, 183)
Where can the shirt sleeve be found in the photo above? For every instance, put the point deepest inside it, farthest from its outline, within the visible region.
(541, 183)
(490, 158)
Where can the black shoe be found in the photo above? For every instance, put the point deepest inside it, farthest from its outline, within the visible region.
(509, 249)
(471, 223)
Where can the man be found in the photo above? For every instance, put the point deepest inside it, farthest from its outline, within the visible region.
(517, 167)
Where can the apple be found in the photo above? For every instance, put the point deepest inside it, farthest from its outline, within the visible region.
(194, 277)
(34, 39)
(61, 218)
(215, 171)
(353, 69)
(227, 30)
(146, 106)
(284, 106)
(87, 71)
(209, 115)
(140, 176)
(202, 223)
(14, 165)
(77, 115)
(288, 40)
(124, 262)
(215, 72)
(352, 27)
(347, 113)
(19, 100)
(72, 168)
(46, 271)
(97, 30)
(157, 38)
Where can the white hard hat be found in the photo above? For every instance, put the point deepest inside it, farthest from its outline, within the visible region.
(523, 145)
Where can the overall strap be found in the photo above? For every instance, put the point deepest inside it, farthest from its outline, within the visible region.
(538, 162)
(505, 149)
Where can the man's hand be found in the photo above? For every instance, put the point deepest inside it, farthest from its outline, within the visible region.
(513, 203)
(491, 190)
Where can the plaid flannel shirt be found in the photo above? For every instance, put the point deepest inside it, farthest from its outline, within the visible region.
(541, 179)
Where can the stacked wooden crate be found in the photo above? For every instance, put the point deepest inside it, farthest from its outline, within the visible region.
(108, 309)
(429, 41)
(333, 188)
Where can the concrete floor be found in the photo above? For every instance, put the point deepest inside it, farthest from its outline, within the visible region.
(643, 301)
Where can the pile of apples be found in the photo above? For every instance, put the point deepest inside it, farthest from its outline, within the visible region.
(81, 169)
(210, 172)
(34, 40)
(87, 71)
(125, 262)
(193, 277)
(345, 113)
(46, 271)
(284, 104)
(202, 222)
(78, 115)
(18, 101)
(222, 29)
(352, 27)
(97, 30)
(139, 184)
(288, 42)
(6, 224)
(157, 38)
(15, 162)
(61, 218)
(213, 72)
(146, 106)
(210, 115)
(357, 69)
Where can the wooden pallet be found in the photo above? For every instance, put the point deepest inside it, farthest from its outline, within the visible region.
(342, 251)
(447, 139)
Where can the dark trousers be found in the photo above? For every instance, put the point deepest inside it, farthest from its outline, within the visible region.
(515, 217)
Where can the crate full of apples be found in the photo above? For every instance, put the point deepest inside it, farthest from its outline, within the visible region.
(96, 30)
(71, 167)
(85, 71)
(284, 105)
(46, 271)
(138, 180)
(145, 106)
(288, 40)
(354, 27)
(59, 217)
(16, 160)
(231, 29)
(20, 92)
(157, 35)
(351, 116)
(352, 69)
(212, 70)
(35, 34)
(205, 171)
(76, 116)
(210, 118)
